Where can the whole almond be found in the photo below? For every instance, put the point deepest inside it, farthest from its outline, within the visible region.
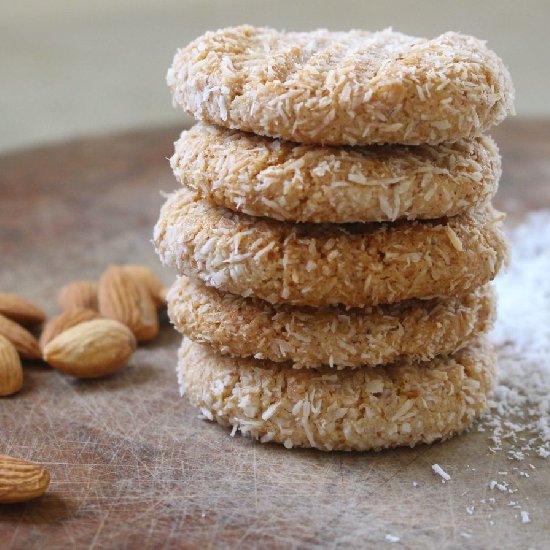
(156, 287)
(20, 310)
(64, 321)
(91, 349)
(21, 480)
(78, 294)
(11, 372)
(127, 299)
(25, 343)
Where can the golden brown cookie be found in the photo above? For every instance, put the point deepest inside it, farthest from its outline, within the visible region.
(416, 330)
(342, 88)
(347, 410)
(307, 183)
(327, 264)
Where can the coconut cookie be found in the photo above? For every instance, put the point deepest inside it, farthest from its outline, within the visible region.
(247, 327)
(342, 88)
(307, 183)
(347, 410)
(326, 264)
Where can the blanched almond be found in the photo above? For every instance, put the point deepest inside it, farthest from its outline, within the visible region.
(25, 343)
(91, 349)
(11, 372)
(20, 310)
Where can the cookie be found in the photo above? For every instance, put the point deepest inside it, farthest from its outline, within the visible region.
(247, 327)
(327, 264)
(342, 88)
(307, 183)
(347, 410)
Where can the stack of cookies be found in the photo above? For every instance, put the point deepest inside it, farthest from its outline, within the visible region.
(334, 234)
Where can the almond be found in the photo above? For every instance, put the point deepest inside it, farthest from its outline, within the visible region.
(21, 311)
(25, 343)
(64, 321)
(127, 299)
(78, 294)
(21, 480)
(91, 349)
(11, 372)
(156, 287)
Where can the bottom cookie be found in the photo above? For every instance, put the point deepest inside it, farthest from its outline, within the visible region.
(347, 410)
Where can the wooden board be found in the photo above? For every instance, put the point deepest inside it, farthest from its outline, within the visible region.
(133, 466)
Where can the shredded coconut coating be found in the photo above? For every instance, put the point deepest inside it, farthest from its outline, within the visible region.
(355, 265)
(342, 88)
(347, 410)
(307, 183)
(248, 327)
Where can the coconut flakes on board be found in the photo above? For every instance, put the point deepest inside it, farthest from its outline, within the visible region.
(519, 418)
(518, 422)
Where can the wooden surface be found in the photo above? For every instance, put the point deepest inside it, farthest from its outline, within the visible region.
(133, 466)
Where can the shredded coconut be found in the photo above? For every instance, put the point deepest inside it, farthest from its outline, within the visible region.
(441, 472)
(500, 486)
(519, 420)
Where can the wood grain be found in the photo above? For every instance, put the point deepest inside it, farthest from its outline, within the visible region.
(133, 466)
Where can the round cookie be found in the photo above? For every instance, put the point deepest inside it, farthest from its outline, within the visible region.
(326, 264)
(346, 410)
(307, 183)
(247, 327)
(342, 88)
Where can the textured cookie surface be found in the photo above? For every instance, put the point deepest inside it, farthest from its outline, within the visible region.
(350, 409)
(335, 88)
(248, 327)
(307, 183)
(328, 264)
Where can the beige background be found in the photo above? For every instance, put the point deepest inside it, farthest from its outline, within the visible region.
(70, 68)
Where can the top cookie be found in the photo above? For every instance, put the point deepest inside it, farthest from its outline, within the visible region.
(335, 88)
